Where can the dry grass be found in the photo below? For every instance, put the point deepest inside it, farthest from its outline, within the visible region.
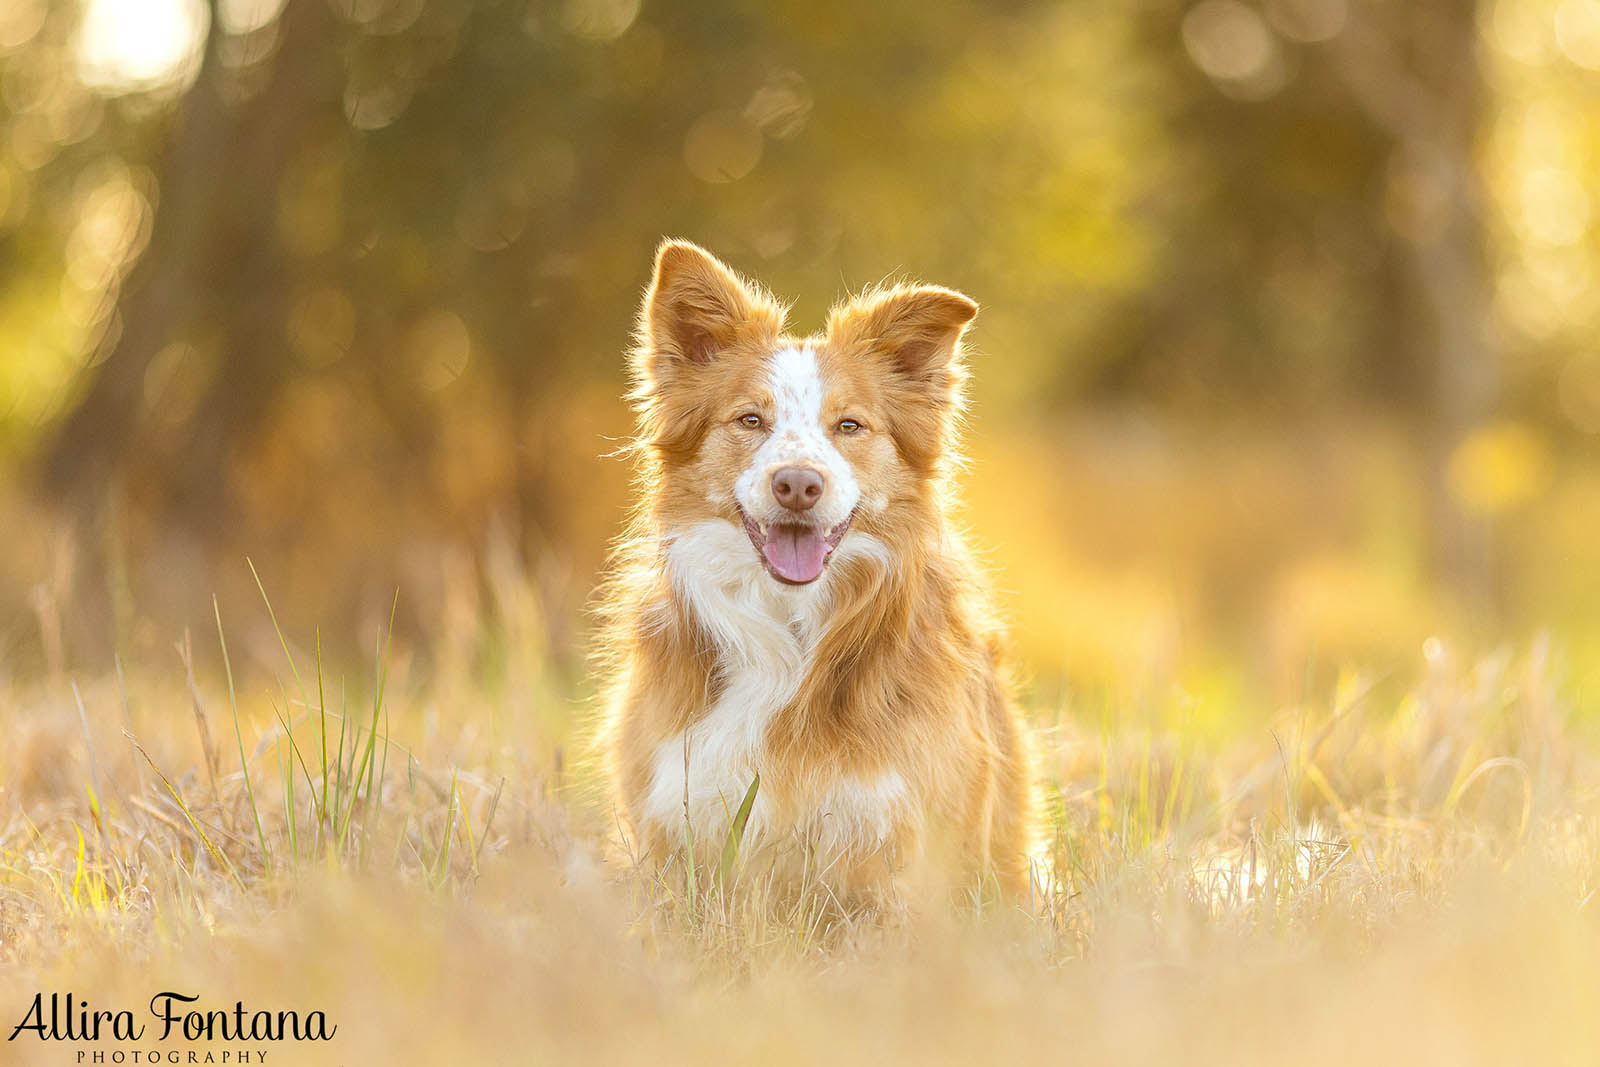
(1397, 872)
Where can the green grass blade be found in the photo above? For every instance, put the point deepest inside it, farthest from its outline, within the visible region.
(282, 641)
(238, 736)
(730, 848)
(442, 872)
(177, 798)
(322, 720)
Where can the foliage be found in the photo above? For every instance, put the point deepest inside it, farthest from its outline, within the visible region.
(343, 284)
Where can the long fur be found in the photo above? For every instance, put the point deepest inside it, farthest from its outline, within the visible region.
(872, 702)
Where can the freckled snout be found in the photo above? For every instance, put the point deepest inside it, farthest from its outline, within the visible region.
(797, 488)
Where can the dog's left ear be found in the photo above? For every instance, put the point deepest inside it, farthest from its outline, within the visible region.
(918, 327)
(917, 331)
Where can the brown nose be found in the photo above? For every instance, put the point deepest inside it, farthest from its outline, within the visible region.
(797, 488)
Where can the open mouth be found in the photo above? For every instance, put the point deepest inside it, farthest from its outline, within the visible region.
(793, 552)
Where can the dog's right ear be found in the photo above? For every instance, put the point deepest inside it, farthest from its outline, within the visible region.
(696, 309)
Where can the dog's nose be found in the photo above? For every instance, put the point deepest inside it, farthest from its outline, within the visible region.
(797, 488)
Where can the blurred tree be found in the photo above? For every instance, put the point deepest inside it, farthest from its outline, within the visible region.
(217, 273)
(352, 282)
(1329, 252)
(1417, 75)
(400, 235)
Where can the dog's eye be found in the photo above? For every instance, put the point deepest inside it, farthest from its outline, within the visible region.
(848, 426)
(751, 420)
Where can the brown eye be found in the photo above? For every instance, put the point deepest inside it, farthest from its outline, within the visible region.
(752, 421)
(848, 426)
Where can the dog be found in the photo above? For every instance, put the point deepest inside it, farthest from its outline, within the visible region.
(802, 653)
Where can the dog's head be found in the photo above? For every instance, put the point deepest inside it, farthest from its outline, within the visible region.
(792, 439)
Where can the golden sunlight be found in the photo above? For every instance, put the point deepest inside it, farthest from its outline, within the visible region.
(138, 45)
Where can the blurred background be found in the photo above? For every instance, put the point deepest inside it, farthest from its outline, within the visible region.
(1287, 361)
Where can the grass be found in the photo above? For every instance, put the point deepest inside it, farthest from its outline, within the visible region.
(1400, 870)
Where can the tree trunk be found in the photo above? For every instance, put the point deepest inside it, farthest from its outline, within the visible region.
(1422, 83)
(215, 263)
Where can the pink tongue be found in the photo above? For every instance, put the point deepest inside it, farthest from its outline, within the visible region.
(795, 552)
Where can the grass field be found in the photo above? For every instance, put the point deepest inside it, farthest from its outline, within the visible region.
(1398, 870)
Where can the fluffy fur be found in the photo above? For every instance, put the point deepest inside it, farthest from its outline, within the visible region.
(870, 700)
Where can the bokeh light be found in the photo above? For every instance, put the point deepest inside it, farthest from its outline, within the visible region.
(722, 146)
(1318, 275)
(1231, 43)
(131, 45)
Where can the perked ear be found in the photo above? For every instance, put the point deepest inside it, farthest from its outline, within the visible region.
(696, 308)
(918, 327)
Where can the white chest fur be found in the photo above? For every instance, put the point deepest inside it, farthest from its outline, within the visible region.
(765, 634)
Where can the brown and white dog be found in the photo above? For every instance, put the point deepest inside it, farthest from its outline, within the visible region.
(792, 600)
